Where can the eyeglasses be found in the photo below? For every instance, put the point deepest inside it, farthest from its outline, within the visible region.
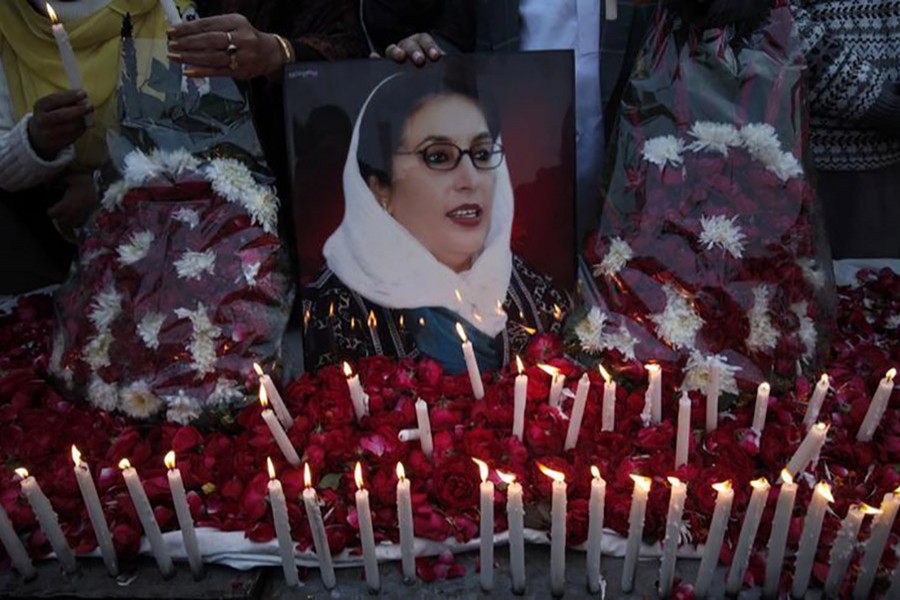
(444, 156)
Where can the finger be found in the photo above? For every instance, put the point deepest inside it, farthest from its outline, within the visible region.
(60, 100)
(413, 50)
(395, 52)
(215, 60)
(67, 114)
(430, 47)
(201, 42)
(206, 25)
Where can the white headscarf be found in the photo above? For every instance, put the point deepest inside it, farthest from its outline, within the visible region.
(377, 257)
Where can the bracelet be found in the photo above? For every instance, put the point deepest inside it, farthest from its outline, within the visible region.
(286, 49)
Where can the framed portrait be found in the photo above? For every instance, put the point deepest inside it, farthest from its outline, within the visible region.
(433, 203)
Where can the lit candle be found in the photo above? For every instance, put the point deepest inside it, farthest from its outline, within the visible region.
(515, 518)
(877, 407)
(595, 530)
(95, 513)
(405, 524)
(487, 527)
(713, 546)
(584, 386)
(278, 433)
(762, 406)
(683, 439)
(183, 512)
(809, 540)
(520, 398)
(47, 519)
(748, 535)
(471, 364)
(66, 54)
(712, 395)
(366, 532)
(609, 402)
(172, 14)
(844, 544)
(809, 449)
(815, 402)
(673, 535)
(317, 528)
(357, 395)
(557, 531)
(878, 538)
(781, 524)
(146, 517)
(424, 423)
(281, 411)
(282, 527)
(635, 529)
(14, 547)
(557, 380)
(654, 389)
(612, 10)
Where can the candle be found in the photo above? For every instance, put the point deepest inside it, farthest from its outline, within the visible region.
(877, 407)
(712, 395)
(147, 518)
(683, 439)
(673, 535)
(584, 386)
(14, 547)
(405, 523)
(781, 524)
(47, 519)
(635, 529)
(424, 422)
(66, 54)
(761, 407)
(366, 532)
(595, 530)
(557, 380)
(281, 411)
(609, 402)
(520, 398)
(409, 435)
(808, 451)
(748, 534)
(654, 390)
(278, 433)
(282, 527)
(183, 512)
(515, 518)
(815, 402)
(95, 513)
(612, 10)
(172, 15)
(844, 544)
(487, 527)
(317, 528)
(882, 525)
(557, 531)
(713, 546)
(357, 395)
(809, 540)
(471, 364)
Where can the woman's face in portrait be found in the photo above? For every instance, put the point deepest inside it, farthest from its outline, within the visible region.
(447, 211)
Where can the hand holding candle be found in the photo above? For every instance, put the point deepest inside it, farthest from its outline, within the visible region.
(471, 363)
(557, 531)
(95, 512)
(487, 527)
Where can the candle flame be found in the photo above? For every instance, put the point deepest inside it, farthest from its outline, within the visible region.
(529, 330)
(124, 464)
(557, 312)
(483, 469)
(307, 476)
(821, 427)
(458, 295)
(786, 476)
(476, 316)
(641, 482)
(52, 14)
(519, 364)
(675, 482)
(723, 486)
(22, 472)
(606, 376)
(372, 321)
(507, 478)
(892, 372)
(76, 456)
(348, 372)
(402, 321)
(825, 490)
(897, 491)
(263, 396)
(652, 367)
(357, 475)
(270, 467)
(170, 459)
(554, 475)
(500, 310)
(461, 332)
(258, 369)
(551, 371)
(869, 510)
(331, 310)
(760, 484)
(595, 472)
(421, 321)
(352, 323)
(401, 472)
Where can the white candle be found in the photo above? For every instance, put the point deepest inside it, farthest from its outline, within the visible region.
(409, 435)
(424, 423)
(366, 532)
(357, 395)
(581, 394)
(14, 547)
(878, 538)
(809, 449)
(95, 513)
(595, 530)
(183, 512)
(635, 529)
(487, 527)
(317, 528)
(47, 519)
(809, 540)
(843, 547)
(713, 546)
(761, 407)
(278, 433)
(66, 54)
(471, 364)
(557, 380)
(515, 518)
(673, 535)
(683, 439)
(815, 402)
(781, 524)
(557, 531)
(147, 518)
(172, 14)
(712, 395)
(405, 524)
(877, 407)
(612, 10)
(609, 402)
(282, 527)
(281, 411)
(519, 400)
(748, 535)
(654, 389)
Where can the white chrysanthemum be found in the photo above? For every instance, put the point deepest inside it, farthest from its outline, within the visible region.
(251, 270)
(225, 392)
(716, 137)
(763, 334)
(136, 248)
(148, 329)
(616, 258)
(812, 273)
(140, 168)
(105, 308)
(785, 167)
(192, 264)
(678, 324)
(115, 193)
(182, 409)
(623, 341)
(696, 373)
(590, 330)
(188, 216)
(177, 162)
(720, 231)
(96, 351)
(761, 142)
(202, 346)
(807, 332)
(102, 395)
(138, 400)
(230, 178)
(262, 204)
(664, 150)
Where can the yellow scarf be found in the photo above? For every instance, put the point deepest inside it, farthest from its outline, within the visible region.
(33, 68)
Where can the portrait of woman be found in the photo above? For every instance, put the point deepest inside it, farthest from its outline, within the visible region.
(424, 242)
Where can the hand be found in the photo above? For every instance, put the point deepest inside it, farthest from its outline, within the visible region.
(57, 120)
(415, 48)
(78, 202)
(203, 45)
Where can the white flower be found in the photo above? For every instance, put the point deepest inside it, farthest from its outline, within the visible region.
(761, 142)
(102, 395)
(115, 193)
(202, 346)
(96, 351)
(177, 162)
(663, 150)
(812, 272)
(696, 375)
(136, 248)
(623, 341)
(230, 178)
(140, 168)
(105, 308)
(723, 232)
(716, 137)
(594, 339)
(138, 400)
(182, 409)
(192, 264)
(678, 324)
(187, 215)
(262, 204)
(763, 334)
(615, 260)
(148, 329)
(786, 167)
(807, 331)
(225, 392)
(251, 270)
